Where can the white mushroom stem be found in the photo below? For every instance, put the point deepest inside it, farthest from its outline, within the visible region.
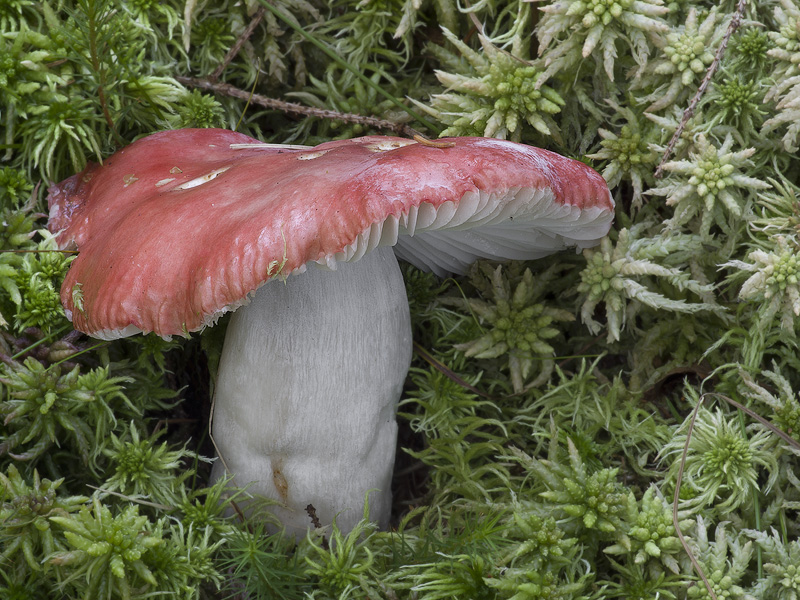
(309, 380)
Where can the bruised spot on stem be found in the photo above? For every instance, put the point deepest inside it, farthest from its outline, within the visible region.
(281, 485)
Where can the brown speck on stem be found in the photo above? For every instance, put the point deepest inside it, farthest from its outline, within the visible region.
(278, 478)
(312, 514)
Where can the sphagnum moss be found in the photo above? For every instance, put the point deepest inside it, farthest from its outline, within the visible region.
(510, 490)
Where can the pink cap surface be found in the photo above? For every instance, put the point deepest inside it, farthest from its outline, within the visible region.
(179, 227)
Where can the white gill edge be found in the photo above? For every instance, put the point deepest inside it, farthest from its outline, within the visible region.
(109, 335)
(529, 225)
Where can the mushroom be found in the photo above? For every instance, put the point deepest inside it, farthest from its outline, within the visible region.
(183, 226)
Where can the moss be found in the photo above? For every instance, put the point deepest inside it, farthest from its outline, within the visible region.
(532, 430)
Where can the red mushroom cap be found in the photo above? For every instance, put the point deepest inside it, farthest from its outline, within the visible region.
(179, 227)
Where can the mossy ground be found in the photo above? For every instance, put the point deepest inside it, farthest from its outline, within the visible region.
(535, 461)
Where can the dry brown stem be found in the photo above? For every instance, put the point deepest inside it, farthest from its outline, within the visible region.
(712, 68)
(234, 50)
(297, 109)
(676, 501)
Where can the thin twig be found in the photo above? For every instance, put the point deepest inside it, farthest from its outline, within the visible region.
(266, 146)
(141, 501)
(475, 21)
(779, 432)
(39, 251)
(78, 353)
(676, 498)
(297, 109)
(249, 98)
(234, 50)
(324, 48)
(449, 373)
(581, 353)
(161, 423)
(211, 436)
(783, 435)
(432, 143)
(46, 338)
(689, 112)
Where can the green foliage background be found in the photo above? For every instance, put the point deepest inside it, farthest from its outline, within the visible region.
(548, 409)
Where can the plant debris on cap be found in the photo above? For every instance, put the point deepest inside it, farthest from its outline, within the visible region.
(180, 226)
